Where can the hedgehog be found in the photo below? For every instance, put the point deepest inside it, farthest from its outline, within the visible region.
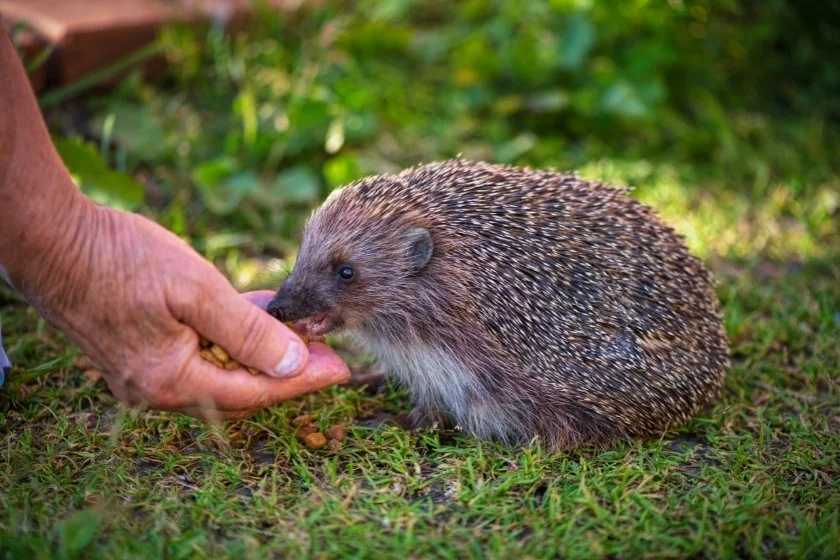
(514, 304)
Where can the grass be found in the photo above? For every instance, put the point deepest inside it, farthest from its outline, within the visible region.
(754, 189)
(757, 476)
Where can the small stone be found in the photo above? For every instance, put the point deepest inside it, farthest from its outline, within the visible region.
(220, 353)
(334, 445)
(336, 432)
(315, 440)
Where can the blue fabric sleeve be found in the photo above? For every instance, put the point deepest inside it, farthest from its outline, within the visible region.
(5, 364)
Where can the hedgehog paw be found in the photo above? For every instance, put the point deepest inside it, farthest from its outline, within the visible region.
(422, 418)
(371, 378)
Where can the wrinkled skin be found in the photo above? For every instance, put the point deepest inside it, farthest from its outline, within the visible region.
(132, 295)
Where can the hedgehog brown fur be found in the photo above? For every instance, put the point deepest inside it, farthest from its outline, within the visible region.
(521, 303)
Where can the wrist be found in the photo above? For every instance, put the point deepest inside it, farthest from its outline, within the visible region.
(43, 216)
(44, 233)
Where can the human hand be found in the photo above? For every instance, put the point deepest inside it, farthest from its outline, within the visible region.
(135, 297)
(131, 294)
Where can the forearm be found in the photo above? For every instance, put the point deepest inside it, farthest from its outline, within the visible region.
(41, 210)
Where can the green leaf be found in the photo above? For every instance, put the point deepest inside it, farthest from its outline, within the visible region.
(221, 186)
(136, 129)
(335, 137)
(211, 173)
(510, 151)
(77, 530)
(578, 39)
(298, 184)
(93, 176)
(623, 99)
(342, 169)
(548, 101)
(245, 105)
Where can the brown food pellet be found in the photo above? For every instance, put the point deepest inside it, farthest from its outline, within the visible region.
(315, 440)
(302, 420)
(335, 433)
(220, 353)
(302, 336)
(334, 445)
(210, 357)
(84, 363)
(221, 358)
(305, 430)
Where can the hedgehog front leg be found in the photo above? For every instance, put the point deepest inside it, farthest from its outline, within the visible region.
(422, 418)
(370, 378)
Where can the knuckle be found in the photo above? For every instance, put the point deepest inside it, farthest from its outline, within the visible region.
(256, 332)
(160, 393)
(239, 415)
(131, 398)
(262, 401)
(185, 294)
(168, 400)
(188, 288)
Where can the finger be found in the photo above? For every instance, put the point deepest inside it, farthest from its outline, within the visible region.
(248, 333)
(213, 415)
(260, 298)
(239, 391)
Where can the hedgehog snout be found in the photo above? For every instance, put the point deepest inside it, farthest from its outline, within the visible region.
(292, 303)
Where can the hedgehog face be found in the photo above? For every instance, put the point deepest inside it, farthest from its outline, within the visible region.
(352, 277)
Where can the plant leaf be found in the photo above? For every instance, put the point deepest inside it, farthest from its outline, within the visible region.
(221, 186)
(136, 129)
(93, 176)
(578, 39)
(297, 184)
(77, 530)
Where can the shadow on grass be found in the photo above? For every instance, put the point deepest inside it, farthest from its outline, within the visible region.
(755, 474)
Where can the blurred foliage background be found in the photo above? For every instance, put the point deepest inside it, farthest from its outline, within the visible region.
(722, 113)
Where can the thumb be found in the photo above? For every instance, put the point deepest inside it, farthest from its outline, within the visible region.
(260, 298)
(251, 336)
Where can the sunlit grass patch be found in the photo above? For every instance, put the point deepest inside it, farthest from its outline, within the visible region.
(682, 102)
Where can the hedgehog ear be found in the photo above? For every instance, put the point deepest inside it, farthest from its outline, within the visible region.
(420, 247)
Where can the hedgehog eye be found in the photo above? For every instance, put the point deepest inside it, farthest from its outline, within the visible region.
(346, 273)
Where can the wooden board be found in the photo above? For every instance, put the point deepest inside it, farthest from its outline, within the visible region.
(89, 35)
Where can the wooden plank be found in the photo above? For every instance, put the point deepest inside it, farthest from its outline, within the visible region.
(92, 34)
(30, 45)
